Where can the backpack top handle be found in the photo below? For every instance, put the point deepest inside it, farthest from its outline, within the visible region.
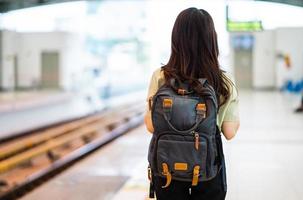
(201, 114)
(182, 88)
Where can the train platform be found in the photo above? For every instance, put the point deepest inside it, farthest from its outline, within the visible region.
(29, 110)
(25, 111)
(265, 157)
(22, 100)
(101, 175)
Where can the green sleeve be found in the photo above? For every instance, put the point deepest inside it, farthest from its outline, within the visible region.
(153, 86)
(229, 112)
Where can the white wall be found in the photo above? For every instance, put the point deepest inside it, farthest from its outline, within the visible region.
(30, 55)
(264, 72)
(10, 45)
(73, 60)
(29, 46)
(269, 70)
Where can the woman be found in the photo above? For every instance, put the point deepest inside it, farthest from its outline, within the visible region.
(194, 55)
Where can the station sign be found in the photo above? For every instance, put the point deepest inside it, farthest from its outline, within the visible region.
(249, 26)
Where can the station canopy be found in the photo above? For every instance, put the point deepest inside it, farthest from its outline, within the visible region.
(7, 5)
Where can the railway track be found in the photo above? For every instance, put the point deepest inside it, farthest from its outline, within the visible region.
(28, 161)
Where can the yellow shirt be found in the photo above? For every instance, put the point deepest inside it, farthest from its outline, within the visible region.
(227, 112)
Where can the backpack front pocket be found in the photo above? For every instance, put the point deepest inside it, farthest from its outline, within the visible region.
(182, 155)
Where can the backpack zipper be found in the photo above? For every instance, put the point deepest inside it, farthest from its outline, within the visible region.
(196, 135)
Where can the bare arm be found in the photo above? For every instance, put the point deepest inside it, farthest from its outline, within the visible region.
(230, 129)
(148, 121)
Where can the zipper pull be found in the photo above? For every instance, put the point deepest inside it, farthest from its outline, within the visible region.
(197, 140)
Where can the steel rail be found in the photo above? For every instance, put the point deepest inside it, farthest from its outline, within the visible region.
(12, 148)
(67, 161)
(52, 143)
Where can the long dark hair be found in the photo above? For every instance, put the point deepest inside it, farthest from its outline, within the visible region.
(194, 53)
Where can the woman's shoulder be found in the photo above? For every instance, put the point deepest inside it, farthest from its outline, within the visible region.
(158, 76)
(230, 81)
(158, 73)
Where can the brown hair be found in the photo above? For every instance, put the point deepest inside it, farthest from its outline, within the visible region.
(194, 53)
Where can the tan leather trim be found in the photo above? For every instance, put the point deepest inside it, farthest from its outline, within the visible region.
(201, 106)
(195, 175)
(167, 174)
(167, 103)
(180, 166)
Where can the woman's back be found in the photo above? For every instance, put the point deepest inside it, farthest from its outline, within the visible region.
(227, 112)
(194, 56)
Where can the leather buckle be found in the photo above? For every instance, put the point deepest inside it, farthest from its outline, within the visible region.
(167, 103)
(167, 174)
(196, 174)
(201, 109)
(181, 91)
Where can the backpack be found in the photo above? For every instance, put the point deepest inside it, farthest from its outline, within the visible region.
(186, 143)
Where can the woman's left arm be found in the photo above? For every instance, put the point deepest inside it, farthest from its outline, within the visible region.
(148, 121)
(231, 121)
(152, 89)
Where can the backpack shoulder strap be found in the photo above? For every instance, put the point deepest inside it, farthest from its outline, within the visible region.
(221, 159)
(202, 81)
(209, 91)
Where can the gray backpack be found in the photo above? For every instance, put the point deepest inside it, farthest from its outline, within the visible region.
(186, 144)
